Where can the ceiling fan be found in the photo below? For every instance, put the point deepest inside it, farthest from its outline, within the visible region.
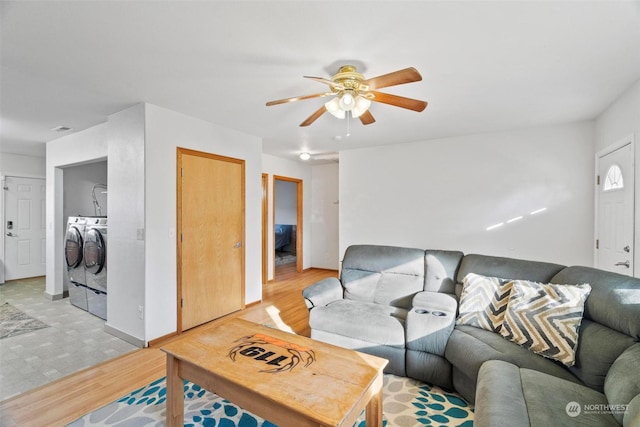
(352, 94)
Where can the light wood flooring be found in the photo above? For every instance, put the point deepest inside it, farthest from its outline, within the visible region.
(69, 398)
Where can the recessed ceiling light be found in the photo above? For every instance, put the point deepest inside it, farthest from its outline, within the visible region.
(305, 156)
(61, 129)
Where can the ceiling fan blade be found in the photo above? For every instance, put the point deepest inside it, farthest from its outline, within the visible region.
(326, 81)
(367, 118)
(398, 101)
(408, 75)
(312, 118)
(299, 98)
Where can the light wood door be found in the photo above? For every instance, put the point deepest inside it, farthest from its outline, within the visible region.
(211, 239)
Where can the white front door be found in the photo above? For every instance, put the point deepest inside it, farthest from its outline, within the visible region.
(24, 227)
(614, 247)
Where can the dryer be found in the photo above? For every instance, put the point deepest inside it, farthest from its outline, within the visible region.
(95, 264)
(73, 255)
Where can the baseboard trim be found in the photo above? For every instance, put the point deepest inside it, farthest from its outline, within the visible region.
(252, 304)
(56, 297)
(124, 336)
(162, 339)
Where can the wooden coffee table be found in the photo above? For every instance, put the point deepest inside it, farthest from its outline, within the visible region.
(287, 379)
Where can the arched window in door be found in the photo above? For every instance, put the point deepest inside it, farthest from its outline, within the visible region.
(613, 180)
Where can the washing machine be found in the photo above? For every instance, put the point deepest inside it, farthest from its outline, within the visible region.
(73, 255)
(95, 265)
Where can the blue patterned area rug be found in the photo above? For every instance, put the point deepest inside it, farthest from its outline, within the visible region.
(406, 403)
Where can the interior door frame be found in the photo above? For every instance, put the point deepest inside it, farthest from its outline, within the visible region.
(629, 139)
(179, 153)
(2, 237)
(265, 228)
(299, 225)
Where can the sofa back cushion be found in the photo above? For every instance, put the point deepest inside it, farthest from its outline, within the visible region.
(614, 300)
(611, 316)
(508, 268)
(593, 357)
(442, 267)
(383, 274)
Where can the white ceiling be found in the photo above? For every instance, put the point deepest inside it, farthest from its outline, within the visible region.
(486, 66)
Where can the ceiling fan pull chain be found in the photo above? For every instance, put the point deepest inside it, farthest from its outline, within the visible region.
(348, 123)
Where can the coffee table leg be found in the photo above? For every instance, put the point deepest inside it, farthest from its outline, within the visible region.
(175, 394)
(373, 412)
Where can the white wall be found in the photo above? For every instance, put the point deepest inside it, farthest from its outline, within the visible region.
(78, 183)
(286, 202)
(291, 169)
(620, 119)
(125, 251)
(445, 193)
(82, 147)
(22, 166)
(325, 216)
(165, 131)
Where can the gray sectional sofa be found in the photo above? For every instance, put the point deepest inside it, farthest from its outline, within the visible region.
(402, 304)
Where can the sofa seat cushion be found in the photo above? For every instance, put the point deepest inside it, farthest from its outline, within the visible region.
(507, 395)
(375, 323)
(468, 348)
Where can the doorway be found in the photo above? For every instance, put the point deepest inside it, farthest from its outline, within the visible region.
(211, 224)
(24, 227)
(287, 223)
(615, 208)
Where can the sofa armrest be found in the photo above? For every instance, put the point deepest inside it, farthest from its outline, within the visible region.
(323, 292)
(430, 322)
(500, 400)
(436, 301)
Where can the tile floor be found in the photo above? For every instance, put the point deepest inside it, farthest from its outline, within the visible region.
(73, 341)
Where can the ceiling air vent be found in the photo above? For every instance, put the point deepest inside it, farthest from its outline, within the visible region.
(61, 129)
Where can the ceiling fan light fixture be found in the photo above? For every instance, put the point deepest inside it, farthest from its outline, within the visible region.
(333, 107)
(347, 101)
(351, 92)
(362, 104)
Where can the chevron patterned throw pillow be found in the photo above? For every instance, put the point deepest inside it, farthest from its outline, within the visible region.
(483, 301)
(545, 318)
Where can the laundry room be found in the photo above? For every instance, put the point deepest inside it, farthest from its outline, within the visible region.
(85, 214)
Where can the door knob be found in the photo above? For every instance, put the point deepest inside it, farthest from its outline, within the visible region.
(626, 249)
(626, 264)
(10, 234)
